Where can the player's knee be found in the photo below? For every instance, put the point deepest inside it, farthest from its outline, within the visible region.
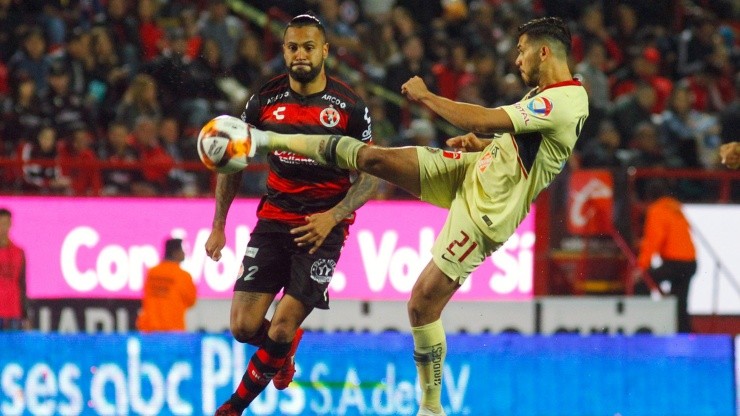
(243, 332)
(282, 331)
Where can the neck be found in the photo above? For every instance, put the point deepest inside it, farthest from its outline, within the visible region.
(4, 241)
(318, 84)
(553, 74)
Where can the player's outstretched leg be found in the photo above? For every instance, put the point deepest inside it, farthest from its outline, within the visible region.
(328, 150)
(261, 369)
(282, 379)
(430, 348)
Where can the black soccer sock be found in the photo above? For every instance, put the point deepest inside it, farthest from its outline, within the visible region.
(261, 369)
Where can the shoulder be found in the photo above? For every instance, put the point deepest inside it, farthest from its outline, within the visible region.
(273, 85)
(342, 90)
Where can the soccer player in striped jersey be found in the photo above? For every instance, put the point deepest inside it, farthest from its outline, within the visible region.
(304, 218)
(488, 188)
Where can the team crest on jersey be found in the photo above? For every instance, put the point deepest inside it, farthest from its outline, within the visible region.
(322, 270)
(540, 106)
(484, 162)
(329, 117)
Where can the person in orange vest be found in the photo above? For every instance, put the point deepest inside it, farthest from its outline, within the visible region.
(14, 304)
(168, 292)
(667, 233)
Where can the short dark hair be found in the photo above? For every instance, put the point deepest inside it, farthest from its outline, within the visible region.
(172, 246)
(553, 28)
(306, 19)
(4, 212)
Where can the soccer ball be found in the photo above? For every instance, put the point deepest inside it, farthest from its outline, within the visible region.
(224, 144)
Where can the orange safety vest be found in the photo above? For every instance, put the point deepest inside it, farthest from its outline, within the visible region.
(168, 292)
(667, 233)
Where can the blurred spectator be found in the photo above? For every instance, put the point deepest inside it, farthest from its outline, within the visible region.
(14, 307)
(11, 23)
(696, 43)
(191, 32)
(645, 67)
(380, 48)
(151, 33)
(667, 234)
(109, 78)
(80, 164)
(594, 32)
(217, 24)
(594, 79)
(206, 98)
(22, 116)
(139, 100)
(691, 135)
(156, 163)
(179, 182)
(120, 180)
(41, 171)
(627, 25)
(730, 116)
(80, 62)
(168, 292)
(341, 36)
(121, 21)
(64, 108)
(421, 132)
(170, 71)
(487, 74)
(601, 151)
(711, 87)
(414, 62)
(247, 68)
(31, 59)
(633, 109)
(454, 71)
(645, 149)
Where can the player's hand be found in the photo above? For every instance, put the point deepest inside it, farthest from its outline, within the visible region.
(414, 89)
(317, 228)
(216, 241)
(466, 143)
(730, 155)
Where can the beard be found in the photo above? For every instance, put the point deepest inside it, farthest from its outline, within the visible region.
(303, 76)
(531, 78)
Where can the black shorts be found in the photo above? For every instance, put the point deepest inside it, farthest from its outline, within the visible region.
(273, 261)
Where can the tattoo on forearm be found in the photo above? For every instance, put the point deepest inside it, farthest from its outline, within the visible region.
(226, 188)
(359, 193)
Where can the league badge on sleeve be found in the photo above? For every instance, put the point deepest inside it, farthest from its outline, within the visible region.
(540, 106)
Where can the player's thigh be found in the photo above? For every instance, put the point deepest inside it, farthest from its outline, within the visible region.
(248, 310)
(311, 273)
(441, 174)
(460, 247)
(397, 165)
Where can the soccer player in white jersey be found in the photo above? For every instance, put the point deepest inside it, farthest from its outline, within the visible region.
(488, 188)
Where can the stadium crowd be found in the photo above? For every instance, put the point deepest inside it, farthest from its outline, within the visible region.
(130, 82)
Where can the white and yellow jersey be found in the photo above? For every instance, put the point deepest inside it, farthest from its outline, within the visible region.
(512, 170)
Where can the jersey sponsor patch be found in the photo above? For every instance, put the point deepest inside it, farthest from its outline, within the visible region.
(251, 252)
(449, 154)
(322, 270)
(540, 106)
(329, 117)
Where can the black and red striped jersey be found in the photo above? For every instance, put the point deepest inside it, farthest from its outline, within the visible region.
(296, 185)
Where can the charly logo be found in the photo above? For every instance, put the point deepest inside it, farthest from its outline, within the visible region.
(322, 270)
(540, 106)
(329, 117)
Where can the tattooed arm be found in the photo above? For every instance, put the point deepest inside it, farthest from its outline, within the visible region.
(226, 189)
(318, 226)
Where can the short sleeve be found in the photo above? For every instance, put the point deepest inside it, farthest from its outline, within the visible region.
(360, 123)
(251, 114)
